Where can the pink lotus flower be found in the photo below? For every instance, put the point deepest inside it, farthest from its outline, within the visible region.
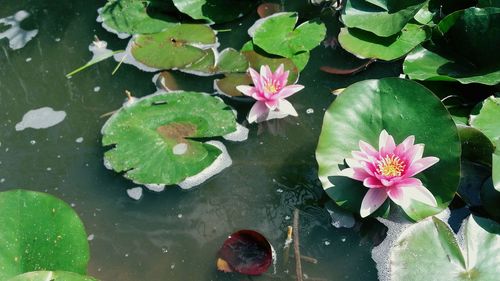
(270, 91)
(389, 172)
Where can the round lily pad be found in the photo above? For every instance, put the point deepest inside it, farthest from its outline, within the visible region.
(429, 250)
(40, 232)
(175, 47)
(381, 17)
(134, 17)
(402, 108)
(277, 34)
(155, 140)
(368, 45)
(227, 61)
(476, 61)
(227, 85)
(52, 276)
(216, 11)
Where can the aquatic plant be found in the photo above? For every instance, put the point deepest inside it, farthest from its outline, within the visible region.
(270, 90)
(389, 172)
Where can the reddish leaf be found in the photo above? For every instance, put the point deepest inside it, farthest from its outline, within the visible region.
(267, 9)
(333, 70)
(246, 252)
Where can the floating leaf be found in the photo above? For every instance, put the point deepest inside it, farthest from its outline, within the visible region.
(490, 199)
(488, 3)
(276, 34)
(488, 122)
(217, 11)
(476, 61)
(175, 47)
(367, 45)
(476, 147)
(384, 19)
(40, 232)
(403, 108)
(429, 250)
(227, 85)
(247, 252)
(154, 137)
(267, 9)
(229, 60)
(51, 276)
(133, 17)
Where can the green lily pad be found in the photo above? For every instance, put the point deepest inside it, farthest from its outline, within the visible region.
(175, 47)
(403, 108)
(229, 60)
(40, 232)
(488, 122)
(488, 3)
(52, 276)
(367, 45)
(429, 250)
(490, 199)
(277, 34)
(384, 19)
(216, 11)
(295, 64)
(476, 61)
(227, 85)
(476, 147)
(133, 17)
(154, 138)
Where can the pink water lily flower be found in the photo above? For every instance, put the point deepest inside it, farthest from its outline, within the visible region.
(270, 91)
(389, 171)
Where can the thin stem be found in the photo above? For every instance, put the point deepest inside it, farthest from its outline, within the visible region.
(296, 245)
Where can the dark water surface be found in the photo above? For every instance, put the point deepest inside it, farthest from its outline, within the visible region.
(173, 235)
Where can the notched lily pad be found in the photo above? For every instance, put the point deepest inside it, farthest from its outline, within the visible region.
(227, 61)
(277, 34)
(214, 11)
(156, 138)
(126, 17)
(175, 47)
(365, 44)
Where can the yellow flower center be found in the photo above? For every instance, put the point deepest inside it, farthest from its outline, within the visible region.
(390, 166)
(270, 88)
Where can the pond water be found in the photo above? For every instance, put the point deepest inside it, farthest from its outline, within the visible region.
(175, 234)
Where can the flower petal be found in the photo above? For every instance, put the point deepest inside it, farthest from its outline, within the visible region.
(367, 148)
(372, 182)
(289, 90)
(272, 104)
(354, 173)
(352, 162)
(420, 165)
(404, 194)
(255, 78)
(246, 90)
(405, 145)
(279, 71)
(286, 107)
(414, 153)
(386, 143)
(258, 111)
(373, 199)
(265, 73)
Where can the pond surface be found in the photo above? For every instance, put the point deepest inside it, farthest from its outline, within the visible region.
(175, 234)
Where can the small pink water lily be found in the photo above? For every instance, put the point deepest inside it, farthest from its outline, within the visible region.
(270, 91)
(389, 171)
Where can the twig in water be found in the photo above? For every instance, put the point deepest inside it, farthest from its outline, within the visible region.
(288, 241)
(296, 245)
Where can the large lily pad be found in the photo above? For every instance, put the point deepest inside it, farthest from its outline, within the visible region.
(381, 17)
(227, 61)
(217, 11)
(154, 137)
(51, 276)
(429, 251)
(403, 108)
(277, 34)
(134, 17)
(476, 147)
(175, 47)
(488, 122)
(476, 61)
(367, 45)
(39, 232)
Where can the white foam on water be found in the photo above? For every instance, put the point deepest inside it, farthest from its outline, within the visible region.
(155, 187)
(17, 36)
(107, 164)
(99, 49)
(79, 140)
(41, 118)
(310, 111)
(241, 134)
(341, 219)
(90, 237)
(180, 148)
(221, 162)
(396, 225)
(135, 193)
(97, 89)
